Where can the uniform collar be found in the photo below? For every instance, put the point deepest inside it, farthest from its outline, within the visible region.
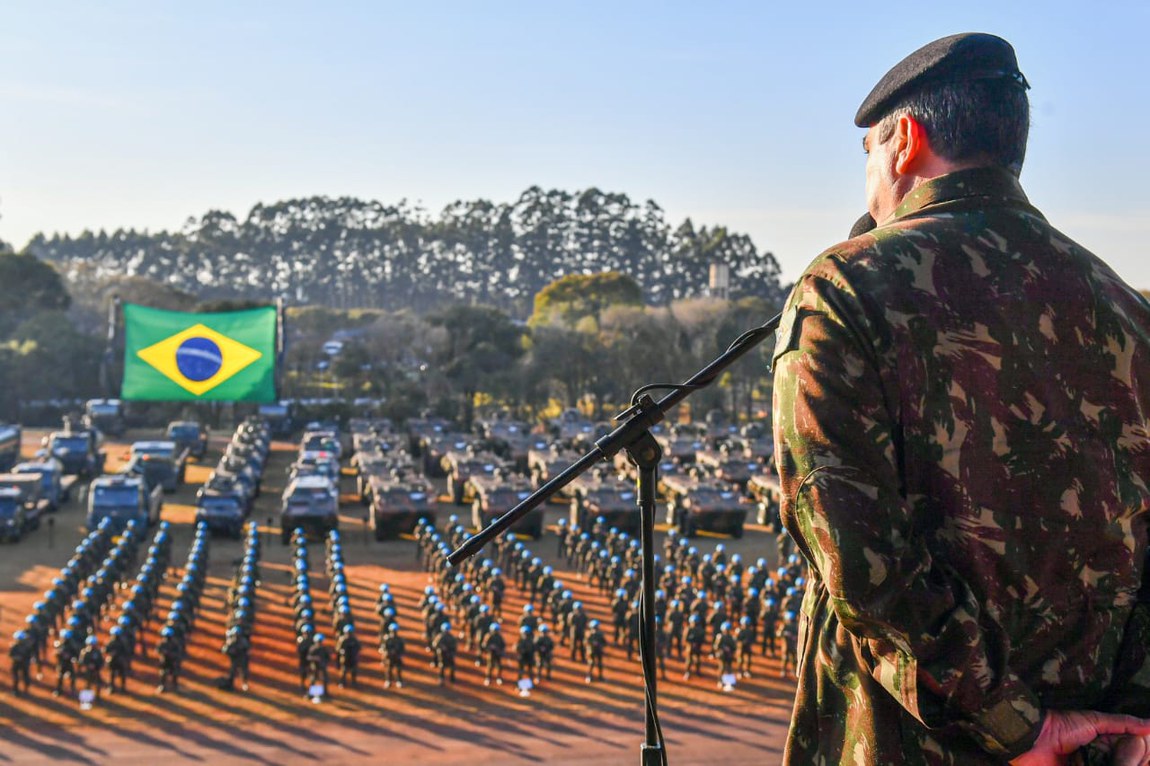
(985, 184)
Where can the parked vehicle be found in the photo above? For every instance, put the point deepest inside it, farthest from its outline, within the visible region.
(495, 495)
(106, 416)
(607, 497)
(9, 446)
(123, 498)
(189, 436)
(397, 505)
(222, 511)
(53, 489)
(695, 504)
(768, 494)
(14, 521)
(78, 451)
(278, 417)
(310, 503)
(32, 505)
(162, 461)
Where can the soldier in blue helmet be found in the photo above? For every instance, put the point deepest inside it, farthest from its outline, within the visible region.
(391, 650)
(445, 646)
(347, 648)
(493, 647)
(595, 644)
(21, 653)
(91, 665)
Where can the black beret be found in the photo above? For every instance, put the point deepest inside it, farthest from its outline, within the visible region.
(969, 56)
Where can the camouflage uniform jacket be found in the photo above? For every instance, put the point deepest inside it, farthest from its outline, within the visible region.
(961, 438)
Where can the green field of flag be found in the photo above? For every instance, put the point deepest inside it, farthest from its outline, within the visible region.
(177, 356)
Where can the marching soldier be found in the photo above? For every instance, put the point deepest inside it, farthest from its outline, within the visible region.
(237, 646)
(493, 648)
(391, 650)
(595, 643)
(91, 665)
(67, 652)
(303, 645)
(445, 645)
(347, 649)
(723, 649)
(544, 653)
(695, 638)
(318, 658)
(577, 631)
(745, 639)
(118, 658)
(525, 652)
(171, 654)
(21, 653)
(788, 631)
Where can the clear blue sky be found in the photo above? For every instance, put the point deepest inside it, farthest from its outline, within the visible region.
(143, 114)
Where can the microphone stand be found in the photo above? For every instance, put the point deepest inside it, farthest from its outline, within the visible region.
(633, 435)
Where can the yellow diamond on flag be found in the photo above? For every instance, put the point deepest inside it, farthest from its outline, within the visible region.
(199, 358)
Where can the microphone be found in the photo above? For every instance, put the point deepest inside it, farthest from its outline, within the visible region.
(862, 226)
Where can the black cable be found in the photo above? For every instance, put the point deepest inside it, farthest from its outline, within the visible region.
(661, 386)
(756, 335)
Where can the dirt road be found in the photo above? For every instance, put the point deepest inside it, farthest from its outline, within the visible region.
(564, 721)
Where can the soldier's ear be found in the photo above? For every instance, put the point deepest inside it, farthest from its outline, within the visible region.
(911, 145)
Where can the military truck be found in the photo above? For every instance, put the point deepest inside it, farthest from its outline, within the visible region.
(728, 465)
(604, 495)
(420, 430)
(461, 464)
(380, 465)
(9, 446)
(398, 503)
(106, 416)
(764, 487)
(571, 425)
(279, 419)
(163, 462)
(224, 510)
(511, 439)
(189, 435)
(310, 503)
(545, 462)
(78, 451)
(123, 498)
(681, 442)
(695, 504)
(227, 485)
(31, 504)
(495, 494)
(54, 489)
(434, 448)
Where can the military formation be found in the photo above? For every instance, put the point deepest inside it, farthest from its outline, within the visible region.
(714, 614)
(173, 645)
(241, 609)
(77, 604)
(708, 606)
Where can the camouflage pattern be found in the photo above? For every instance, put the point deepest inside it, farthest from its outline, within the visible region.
(961, 439)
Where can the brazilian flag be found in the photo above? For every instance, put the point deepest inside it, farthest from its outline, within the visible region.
(177, 356)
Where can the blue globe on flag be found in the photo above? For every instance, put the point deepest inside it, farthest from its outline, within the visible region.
(198, 359)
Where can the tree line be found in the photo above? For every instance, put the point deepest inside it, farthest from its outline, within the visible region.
(350, 253)
(588, 341)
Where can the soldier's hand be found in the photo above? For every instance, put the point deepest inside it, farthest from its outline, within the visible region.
(1065, 731)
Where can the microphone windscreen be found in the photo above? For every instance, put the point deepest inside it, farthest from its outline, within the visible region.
(862, 226)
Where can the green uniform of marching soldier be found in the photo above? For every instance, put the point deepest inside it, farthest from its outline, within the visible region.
(961, 436)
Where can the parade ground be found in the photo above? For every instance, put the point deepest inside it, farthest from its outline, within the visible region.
(564, 720)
